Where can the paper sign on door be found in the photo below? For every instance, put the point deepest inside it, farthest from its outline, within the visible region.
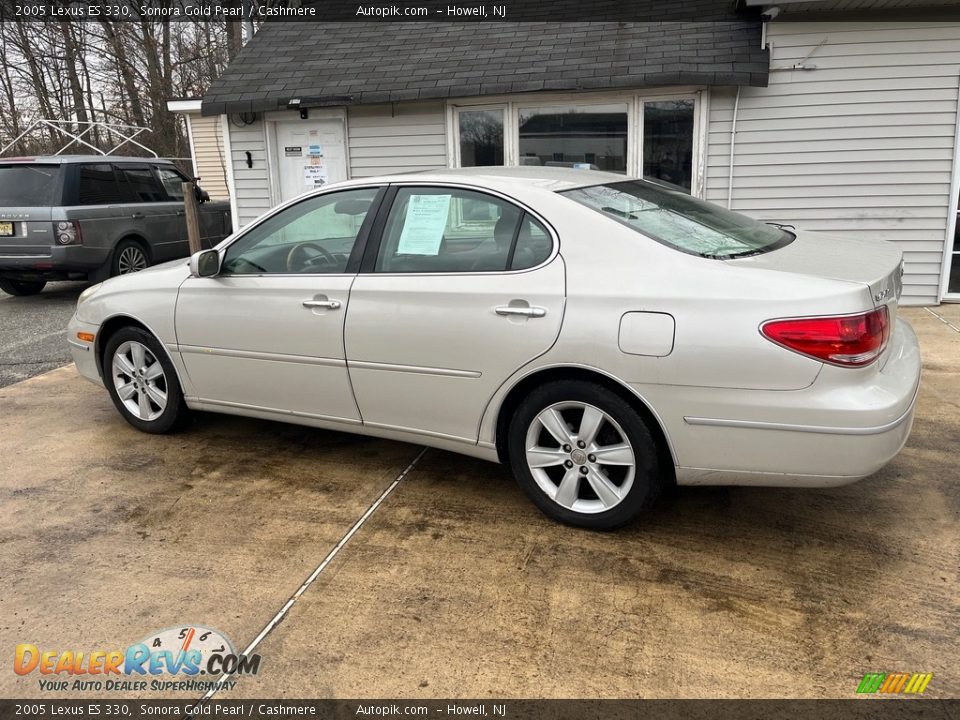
(424, 225)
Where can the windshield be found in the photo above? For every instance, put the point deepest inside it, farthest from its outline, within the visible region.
(29, 185)
(680, 221)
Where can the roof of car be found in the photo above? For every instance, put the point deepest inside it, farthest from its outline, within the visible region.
(548, 178)
(65, 159)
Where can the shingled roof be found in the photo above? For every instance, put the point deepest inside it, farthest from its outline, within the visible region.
(350, 63)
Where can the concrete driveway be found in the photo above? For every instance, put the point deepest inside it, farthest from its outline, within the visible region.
(455, 586)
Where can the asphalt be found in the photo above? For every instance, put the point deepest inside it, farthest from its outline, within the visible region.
(455, 586)
(33, 331)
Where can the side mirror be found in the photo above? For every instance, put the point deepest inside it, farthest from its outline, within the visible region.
(200, 194)
(205, 263)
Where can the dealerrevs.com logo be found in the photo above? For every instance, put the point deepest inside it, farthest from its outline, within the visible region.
(176, 658)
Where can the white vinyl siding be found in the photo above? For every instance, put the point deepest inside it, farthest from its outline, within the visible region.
(208, 154)
(252, 185)
(404, 137)
(861, 145)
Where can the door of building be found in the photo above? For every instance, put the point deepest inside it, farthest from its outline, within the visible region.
(310, 154)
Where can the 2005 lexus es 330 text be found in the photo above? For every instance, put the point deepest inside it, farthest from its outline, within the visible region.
(604, 336)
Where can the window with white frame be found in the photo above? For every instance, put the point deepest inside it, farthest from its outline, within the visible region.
(645, 135)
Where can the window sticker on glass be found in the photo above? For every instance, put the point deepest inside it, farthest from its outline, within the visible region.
(424, 225)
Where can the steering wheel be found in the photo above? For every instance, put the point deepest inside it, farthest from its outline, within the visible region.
(297, 264)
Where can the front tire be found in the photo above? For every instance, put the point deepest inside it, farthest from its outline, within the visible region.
(22, 288)
(584, 455)
(142, 381)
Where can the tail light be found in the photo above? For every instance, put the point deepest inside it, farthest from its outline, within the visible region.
(67, 232)
(848, 341)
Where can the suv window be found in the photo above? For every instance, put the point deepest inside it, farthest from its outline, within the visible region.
(314, 236)
(142, 183)
(23, 185)
(172, 183)
(435, 229)
(97, 185)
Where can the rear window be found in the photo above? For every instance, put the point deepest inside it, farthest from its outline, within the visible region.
(30, 185)
(677, 220)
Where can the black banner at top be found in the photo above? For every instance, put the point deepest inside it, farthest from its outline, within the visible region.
(377, 10)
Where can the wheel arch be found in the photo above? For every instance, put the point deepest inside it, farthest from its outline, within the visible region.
(111, 326)
(133, 237)
(528, 383)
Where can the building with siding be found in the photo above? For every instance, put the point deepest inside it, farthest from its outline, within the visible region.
(844, 122)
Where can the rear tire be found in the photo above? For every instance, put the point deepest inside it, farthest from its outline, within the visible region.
(584, 455)
(22, 288)
(129, 256)
(142, 381)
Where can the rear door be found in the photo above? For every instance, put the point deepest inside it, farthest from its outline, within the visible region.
(464, 288)
(157, 219)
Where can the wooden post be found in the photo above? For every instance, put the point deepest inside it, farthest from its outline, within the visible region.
(192, 217)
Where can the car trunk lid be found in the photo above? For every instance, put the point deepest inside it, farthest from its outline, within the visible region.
(27, 192)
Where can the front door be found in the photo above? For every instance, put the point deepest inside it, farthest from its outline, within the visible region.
(465, 289)
(311, 154)
(267, 332)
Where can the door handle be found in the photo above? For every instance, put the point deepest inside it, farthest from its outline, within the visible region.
(181, 212)
(330, 304)
(137, 215)
(533, 312)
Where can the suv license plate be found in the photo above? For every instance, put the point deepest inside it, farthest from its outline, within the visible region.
(6, 229)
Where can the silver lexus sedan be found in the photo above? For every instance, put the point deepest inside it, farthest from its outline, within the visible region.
(604, 336)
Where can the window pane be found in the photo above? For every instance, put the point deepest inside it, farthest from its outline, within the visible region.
(143, 183)
(675, 219)
(668, 142)
(481, 137)
(447, 230)
(98, 186)
(172, 183)
(588, 136)
(314, 236)
(533, 245)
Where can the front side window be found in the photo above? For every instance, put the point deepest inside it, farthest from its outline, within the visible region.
(315, 236)
(481, 137)
(682, 222)
(575, 136)
(668, 142)
(451, 230)
(98, 185)
(143, 183)
(172, 183)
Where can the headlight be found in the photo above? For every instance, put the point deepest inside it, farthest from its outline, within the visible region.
(88, 293)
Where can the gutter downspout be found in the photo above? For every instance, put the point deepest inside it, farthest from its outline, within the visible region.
(733, 147)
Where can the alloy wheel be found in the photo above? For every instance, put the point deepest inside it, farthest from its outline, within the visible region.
(139, 380)
(131, 259)
(580, 457)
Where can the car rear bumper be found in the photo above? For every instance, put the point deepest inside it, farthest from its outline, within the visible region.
(845, 426)
(53, 262)
(84, 353)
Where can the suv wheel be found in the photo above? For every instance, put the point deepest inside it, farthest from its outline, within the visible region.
(128, 257)
(583, 455)
(142, 382)
(22, 287)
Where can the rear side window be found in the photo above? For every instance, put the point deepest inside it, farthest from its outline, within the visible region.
(30, 185)
(143, 184)
(172, 183)
(97, 185)
(449, 230)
